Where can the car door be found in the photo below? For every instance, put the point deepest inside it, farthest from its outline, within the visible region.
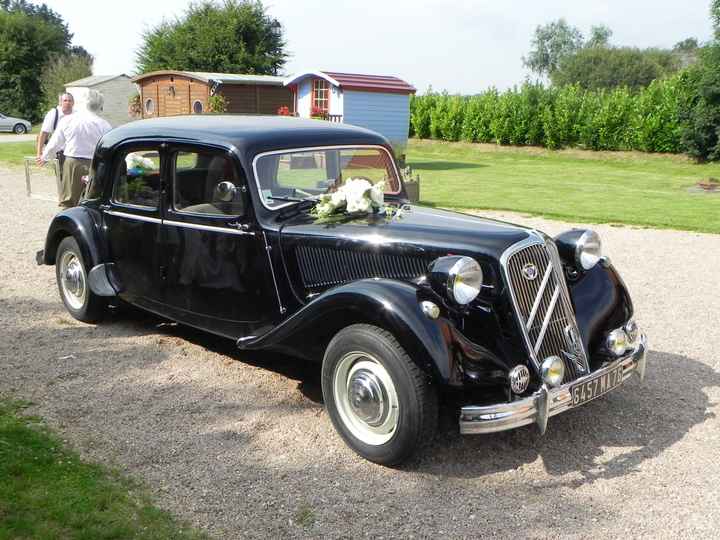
(4, 123)
(132, 222)
(218, 274)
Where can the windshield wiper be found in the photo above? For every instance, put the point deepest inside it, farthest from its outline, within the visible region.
(300, 204)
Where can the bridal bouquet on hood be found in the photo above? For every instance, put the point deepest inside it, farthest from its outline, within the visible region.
(356, 195)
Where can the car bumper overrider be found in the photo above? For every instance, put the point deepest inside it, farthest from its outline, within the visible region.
(546, 402)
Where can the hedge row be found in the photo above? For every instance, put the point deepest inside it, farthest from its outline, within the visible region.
(617, 119)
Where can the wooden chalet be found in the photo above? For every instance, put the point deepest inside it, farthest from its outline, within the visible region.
(170, 93)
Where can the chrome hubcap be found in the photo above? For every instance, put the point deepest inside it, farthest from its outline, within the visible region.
(365, 393)
(366, 398)
(72, 280)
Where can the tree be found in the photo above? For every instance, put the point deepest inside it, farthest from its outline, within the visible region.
(701, 111)
(609, 67)
(60, 70)
(551, 43)
(29, 36)
(232, 37)
(599, 36)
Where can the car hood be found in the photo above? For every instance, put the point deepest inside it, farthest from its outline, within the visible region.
(412, 228)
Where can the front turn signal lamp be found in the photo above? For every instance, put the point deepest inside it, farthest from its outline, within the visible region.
(553, 370)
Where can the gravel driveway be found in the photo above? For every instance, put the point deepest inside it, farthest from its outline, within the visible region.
(239, 444)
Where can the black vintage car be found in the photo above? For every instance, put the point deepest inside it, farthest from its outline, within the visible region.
(207, 220)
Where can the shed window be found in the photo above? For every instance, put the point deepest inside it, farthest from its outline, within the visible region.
(149, 106)
(321, 95)
(197, 107)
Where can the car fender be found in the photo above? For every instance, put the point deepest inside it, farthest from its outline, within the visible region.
(80, 223)
(602, 303)
(392, 305)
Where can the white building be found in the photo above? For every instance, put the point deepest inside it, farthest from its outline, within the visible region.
(116, 91)
(377, 102)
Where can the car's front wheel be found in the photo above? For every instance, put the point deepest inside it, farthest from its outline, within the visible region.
(380, 402)
(72, 279)
(19, 129)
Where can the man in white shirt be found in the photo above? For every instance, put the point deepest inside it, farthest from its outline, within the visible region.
(77, 135)
(52, 118)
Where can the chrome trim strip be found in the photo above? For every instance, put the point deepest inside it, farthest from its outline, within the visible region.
(210, 228)
(309, 149)
(539, 296)
(134, 216)
(268, 248)
(546, 321)
(546, 402)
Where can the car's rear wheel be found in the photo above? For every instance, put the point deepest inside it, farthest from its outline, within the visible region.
(71, 272)
(380, 402)
(19, 129)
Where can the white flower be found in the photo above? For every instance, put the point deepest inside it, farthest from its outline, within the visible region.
(338, 198)
(377, 193)
(359, 204)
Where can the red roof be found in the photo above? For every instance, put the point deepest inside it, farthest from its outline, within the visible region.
(371, 83)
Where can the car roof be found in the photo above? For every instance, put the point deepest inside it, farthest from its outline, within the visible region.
(251, 135)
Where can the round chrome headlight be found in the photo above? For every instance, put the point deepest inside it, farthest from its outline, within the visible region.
(456, 277)
(588, 250)
(553, 370)
(617, 342)
(464, 280)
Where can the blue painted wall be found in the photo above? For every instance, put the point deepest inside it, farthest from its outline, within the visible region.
(388, 114)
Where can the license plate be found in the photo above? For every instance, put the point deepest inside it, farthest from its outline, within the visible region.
(596, 387)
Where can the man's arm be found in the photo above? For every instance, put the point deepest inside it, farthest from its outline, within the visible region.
(42, 138)
(47, 127)
(57, 142)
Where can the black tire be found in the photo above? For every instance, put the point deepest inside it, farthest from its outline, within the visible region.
(71, 272)
(367, 355)
(19, 129)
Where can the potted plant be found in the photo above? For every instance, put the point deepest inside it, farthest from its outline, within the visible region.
(412, 184)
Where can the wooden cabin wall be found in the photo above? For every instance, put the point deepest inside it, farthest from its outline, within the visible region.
(256, 99)
(173, 95)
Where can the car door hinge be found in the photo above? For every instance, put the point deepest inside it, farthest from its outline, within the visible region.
(239, 226)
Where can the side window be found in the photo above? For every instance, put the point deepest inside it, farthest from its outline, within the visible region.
(207, 183)
(137, 178)
(94, 187)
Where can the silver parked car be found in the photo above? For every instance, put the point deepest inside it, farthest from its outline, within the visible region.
(16, 125)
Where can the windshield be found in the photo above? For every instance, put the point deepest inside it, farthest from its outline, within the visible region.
(301, 174)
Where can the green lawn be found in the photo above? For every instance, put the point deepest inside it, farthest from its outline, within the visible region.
(46, 491)
(13, 153)
(605, 187)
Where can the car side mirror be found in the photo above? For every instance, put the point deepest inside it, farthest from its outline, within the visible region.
(225, 191)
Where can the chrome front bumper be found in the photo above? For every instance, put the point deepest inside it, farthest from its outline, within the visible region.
(544, 403)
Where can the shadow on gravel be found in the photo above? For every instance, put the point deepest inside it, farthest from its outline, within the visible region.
(607, 438)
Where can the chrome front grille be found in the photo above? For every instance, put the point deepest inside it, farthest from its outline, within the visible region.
(542, 303)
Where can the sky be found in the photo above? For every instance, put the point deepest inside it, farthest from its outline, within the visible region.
(463, 46)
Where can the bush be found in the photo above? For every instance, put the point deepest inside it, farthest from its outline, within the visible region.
(700, 107)
(421, 107)
(652, 120)
(479, 114)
